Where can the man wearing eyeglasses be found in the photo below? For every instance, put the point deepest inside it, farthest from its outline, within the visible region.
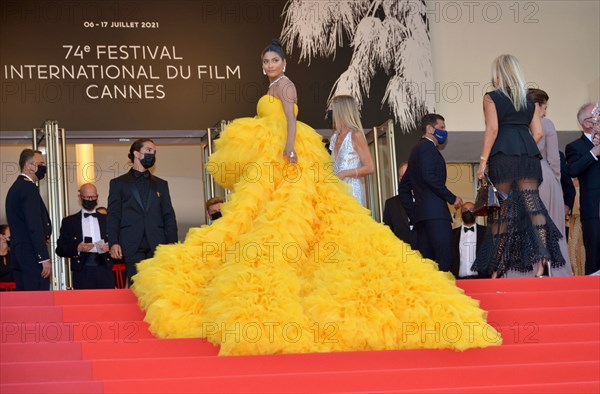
(583, 163)
(83, 239)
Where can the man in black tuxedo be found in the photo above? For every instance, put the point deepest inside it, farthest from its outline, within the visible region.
(466, 241)
(568, 189)
(583, 164)
(140, 213)
(426, 177)
(83, 239)
(29, 224)
(396, 218)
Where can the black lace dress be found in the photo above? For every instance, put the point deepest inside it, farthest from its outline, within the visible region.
(520, 234)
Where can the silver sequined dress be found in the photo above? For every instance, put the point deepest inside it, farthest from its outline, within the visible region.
(348, 159)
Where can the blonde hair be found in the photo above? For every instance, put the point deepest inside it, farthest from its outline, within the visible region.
(345, 112)
(508, 77)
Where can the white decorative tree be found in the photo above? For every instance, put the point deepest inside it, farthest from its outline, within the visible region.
(387, 35)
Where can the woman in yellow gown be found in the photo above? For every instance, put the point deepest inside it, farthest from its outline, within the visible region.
(296, 264)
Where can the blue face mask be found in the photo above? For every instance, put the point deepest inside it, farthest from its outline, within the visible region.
(441, 136)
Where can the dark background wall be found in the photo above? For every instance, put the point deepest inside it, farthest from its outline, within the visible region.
(212, 34)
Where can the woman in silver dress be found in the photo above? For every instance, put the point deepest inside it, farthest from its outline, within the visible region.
(352, 160)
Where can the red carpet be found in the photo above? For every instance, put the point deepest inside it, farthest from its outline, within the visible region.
(96, 342)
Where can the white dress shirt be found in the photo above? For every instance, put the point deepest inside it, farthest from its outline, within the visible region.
(467, 250)
(90, 228)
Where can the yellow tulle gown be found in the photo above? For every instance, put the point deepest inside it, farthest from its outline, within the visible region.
(296, 265)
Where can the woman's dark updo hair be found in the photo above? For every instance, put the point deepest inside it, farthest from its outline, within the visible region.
(274, 46)
(538, 96)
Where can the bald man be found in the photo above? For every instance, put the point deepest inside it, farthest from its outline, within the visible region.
(83, 239)
(466, 241)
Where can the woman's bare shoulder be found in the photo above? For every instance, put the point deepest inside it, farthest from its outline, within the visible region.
(285, 90)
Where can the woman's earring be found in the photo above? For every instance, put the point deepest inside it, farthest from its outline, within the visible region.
(283, 68)
(264, 72)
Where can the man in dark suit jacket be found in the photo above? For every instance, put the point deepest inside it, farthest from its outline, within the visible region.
(466, 241)
(83, 239)
(140, 213)
(583, 164)
(29, 224)
(394, 216)
(568, 189)
(426, 177)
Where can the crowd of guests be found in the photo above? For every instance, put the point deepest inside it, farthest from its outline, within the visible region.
(139, 217)
(526, 237)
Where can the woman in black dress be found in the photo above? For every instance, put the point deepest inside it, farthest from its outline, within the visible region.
(522, 240)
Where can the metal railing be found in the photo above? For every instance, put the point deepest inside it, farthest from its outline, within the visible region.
(51, 139)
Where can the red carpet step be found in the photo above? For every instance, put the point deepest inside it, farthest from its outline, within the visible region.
(97, 342)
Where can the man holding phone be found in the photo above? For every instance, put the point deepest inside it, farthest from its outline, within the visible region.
(83, 239)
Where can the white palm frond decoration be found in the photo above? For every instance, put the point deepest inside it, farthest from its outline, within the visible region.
(319, 26)
(388, 35)
(356, 80)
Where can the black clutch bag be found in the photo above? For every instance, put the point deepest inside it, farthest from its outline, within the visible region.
(487, 200)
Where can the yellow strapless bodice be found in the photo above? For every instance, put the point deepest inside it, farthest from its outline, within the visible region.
(269, 105)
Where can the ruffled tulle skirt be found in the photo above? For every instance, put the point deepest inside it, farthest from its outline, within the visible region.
(297, 265)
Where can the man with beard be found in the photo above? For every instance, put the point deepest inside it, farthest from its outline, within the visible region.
(140, 213)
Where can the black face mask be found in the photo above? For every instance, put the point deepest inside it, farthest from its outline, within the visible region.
(89, 205)
(148, 160)
(468, 218)
(215, 216)
(329, 118)
(41, 172)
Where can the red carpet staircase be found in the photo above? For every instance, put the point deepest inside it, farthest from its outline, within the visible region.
(96, 342)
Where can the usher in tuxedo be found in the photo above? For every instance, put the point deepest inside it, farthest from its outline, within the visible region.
(30, 228)
(583, 165)
(460, 241)
(91, 270)
(140, 216)
(426, 177)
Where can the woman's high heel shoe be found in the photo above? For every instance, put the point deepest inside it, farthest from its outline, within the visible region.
(543, 266)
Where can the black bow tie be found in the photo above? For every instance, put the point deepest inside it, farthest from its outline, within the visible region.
(465, 229)
(94, 214)
(145, 174)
